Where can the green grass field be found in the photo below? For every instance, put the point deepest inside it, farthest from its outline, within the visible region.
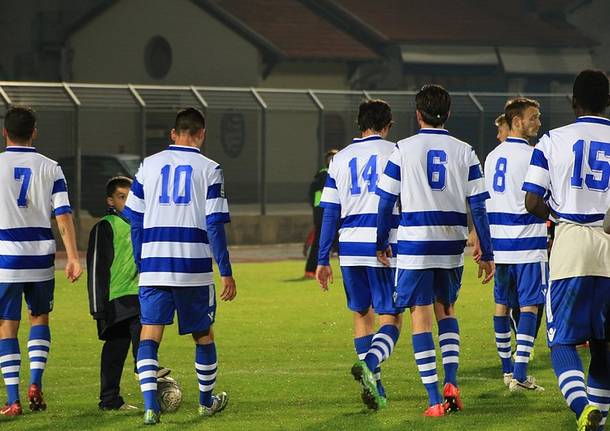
(285, 351)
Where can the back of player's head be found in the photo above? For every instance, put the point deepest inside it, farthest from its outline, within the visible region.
(374, 115)
(500, 121)
(115, 182)
(189, 120)
(20, 122)
(517, 107)
(329, 156)
(591, 91)
(433, 103)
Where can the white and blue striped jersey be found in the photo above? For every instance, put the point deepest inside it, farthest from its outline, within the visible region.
(179, 192)
(434, 174)
(516, 235)
(34, 188)
(350, 188)
(573, 164)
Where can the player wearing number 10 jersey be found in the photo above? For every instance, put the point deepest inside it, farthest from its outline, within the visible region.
(571, 164)
(33, 189)
(434, 174)
(178, 209)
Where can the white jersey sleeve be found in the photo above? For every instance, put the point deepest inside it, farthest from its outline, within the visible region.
(59, 194)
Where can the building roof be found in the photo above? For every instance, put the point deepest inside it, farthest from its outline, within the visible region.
(469, 22)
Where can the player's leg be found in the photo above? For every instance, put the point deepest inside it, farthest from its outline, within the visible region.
(39, 298)
(531, 281)
(114, 353)
(502, 285)
(156, 310)
(10, 356)
(447, 285)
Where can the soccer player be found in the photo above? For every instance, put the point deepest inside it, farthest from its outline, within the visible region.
(503, 129)
(34, 190)
(178, 209)
(571, 163)
(519, 241)
(349, 194)
(434, 174)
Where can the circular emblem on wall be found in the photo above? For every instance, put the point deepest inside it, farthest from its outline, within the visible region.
(158, 57)
(233, 133)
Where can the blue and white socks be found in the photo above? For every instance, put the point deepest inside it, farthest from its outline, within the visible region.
(598, 381)
(38, 352)
(10, 363)
(570, 376)
(526, 332)
(206, 365)
(382, 346)
(502, 330)
(148, 365)
(449, 342)
(425, 357)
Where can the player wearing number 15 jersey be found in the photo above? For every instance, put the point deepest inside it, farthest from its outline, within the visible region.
(349, 195)
(178, 209)
(434, 174)
(33, 189)
(572, 165)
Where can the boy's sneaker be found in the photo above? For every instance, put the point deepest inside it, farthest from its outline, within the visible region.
(589, 419)
(529, 384)
(36, 399)
(219, 402)
(435, 411)
(507, 378)
(151, 417)
(128, 408)
(370, 394)
(12, 410)
(453, 402)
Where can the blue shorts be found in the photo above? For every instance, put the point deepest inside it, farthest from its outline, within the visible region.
(195, 307)
(418, 287)
(38, 297)
(367, 286)
(578, 310)
(520, 284)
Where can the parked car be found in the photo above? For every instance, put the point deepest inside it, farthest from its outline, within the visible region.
(96, 170)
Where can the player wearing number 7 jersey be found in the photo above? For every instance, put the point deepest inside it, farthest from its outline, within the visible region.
(571, 164)
(178, 209)
(33, 190)
(434, 174)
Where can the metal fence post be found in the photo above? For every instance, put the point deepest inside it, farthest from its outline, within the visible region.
(142, 104)
(78, 152)
(481, 123)
(4, 96)
(262, 175)
(321, 144)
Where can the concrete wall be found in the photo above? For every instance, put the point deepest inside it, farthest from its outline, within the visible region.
(111, 48)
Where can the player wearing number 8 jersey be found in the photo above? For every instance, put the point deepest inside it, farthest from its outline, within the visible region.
(178, 209)
(434, 174)
(34, 189)
(571, 164)
(519, 242)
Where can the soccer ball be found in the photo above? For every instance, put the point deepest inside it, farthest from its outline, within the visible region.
(169, 394)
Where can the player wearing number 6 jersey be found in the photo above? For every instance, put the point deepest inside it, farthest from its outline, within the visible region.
(572, 165)
(519, 242)
(434, 174)
(178, 209)
(349, 194)
(33, 190)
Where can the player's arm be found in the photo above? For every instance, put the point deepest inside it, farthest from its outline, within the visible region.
(135, 207)
(388, 189)
(217, 214)
(607, 222)
(100, 254)
(537, 182)
(331, 205)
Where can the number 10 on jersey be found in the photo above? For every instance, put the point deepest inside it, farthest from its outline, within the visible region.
(181, 193)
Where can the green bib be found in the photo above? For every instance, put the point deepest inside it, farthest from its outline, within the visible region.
(123, 272)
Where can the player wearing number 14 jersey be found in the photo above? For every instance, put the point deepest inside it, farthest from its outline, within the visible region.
(434, 174)
(178, 209)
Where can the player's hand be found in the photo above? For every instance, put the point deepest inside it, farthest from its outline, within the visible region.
(384, 256)
(476, 251)
(73, 270)
(489, 267)
(324, 275)
(229, 289)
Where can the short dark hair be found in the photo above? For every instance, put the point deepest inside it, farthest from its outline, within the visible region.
(116, 182)
(501, 120)
(516, 108)
(189, 120)
(329, 156)
(433, 102)
(20, 122)
(591, 91)
(374, 115)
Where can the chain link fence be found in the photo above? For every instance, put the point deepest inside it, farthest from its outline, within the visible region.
(270, 142)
